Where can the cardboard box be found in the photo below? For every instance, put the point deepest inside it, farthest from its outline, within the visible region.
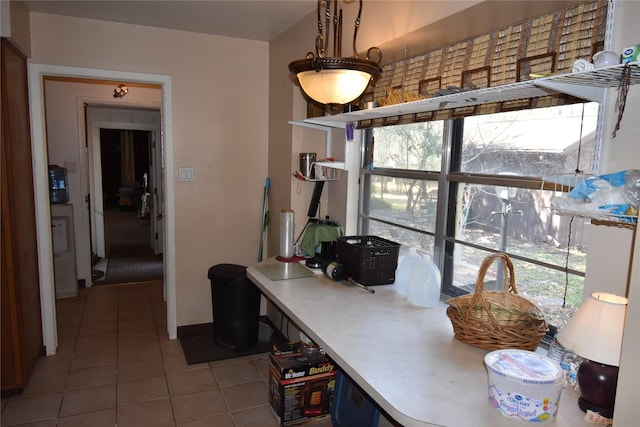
(300, 388)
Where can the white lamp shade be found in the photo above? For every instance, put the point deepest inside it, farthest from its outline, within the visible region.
(334, 86)
(595, 331)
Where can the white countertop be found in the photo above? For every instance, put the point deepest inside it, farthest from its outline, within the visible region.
(404, 357)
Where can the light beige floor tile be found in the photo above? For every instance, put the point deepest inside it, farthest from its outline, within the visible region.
(92, 376)
(232, 361)
(70, 307)
(255, 417)
(137, 336)
(194, 406)
(244, 396)
(68, 328)
(236, 373)
(103, 418)
(159, 314)
(89, 399)
(108, 314)
(31, 409)
(142, 351)
(171, 348)
(45, 423)
(137, 391)
(86, 359)
(134, 311)
(152, 413)
(324, 421)
(66, 345)
(50, 364)
(177, 363)
(262, 366)
(96, 342)
(191, 382)
(98, 328)
(138, 369)
(140, 322)
(224, 420)
(43, 384)
(163, 334)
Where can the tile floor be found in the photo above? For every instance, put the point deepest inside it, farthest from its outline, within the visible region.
(116, 366)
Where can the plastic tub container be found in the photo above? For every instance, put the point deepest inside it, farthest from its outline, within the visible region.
(524, 385)
(351, 407)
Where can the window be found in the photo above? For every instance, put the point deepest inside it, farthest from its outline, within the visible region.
(459, 190)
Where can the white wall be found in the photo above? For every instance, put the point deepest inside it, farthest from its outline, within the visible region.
(608, 261)
(219, 92)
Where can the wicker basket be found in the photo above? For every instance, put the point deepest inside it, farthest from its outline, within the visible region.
(495, 320)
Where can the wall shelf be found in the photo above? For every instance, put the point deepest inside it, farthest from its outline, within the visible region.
(329, 129)
(588, 85)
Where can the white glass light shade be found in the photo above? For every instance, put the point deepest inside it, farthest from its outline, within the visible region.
(334, 86)
(595, 331)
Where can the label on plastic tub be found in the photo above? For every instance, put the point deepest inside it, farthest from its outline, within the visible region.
(524, 385)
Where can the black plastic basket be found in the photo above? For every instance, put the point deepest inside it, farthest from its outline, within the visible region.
(369, 260)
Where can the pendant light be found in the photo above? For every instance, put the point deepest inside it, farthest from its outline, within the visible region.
(335, 80)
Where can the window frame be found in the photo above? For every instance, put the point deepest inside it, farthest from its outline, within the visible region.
(448, 179)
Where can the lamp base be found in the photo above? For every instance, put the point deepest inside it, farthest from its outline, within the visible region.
(586, 406)
(598, 383)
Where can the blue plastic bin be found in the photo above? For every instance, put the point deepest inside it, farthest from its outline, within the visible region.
(351, 406)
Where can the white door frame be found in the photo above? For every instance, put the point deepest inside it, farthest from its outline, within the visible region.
(95, 172)
(37, 72)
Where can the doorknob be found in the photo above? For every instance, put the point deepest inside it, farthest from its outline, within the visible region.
(160, 215)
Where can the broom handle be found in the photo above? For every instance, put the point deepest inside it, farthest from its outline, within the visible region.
(265, 217)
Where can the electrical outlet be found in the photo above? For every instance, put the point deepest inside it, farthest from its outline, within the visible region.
(185, 174)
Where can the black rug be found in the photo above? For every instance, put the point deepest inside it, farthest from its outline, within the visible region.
(202, 348)
(130, 264)
(133, 269)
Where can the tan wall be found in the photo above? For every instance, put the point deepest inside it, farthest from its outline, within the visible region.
(219, 93)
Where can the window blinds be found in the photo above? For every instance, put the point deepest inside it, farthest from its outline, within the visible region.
(546, 44)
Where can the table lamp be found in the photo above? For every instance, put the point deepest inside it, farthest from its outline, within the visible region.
(595, 333)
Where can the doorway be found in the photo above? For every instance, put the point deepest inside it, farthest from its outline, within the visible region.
(132, 254)
(37, 74)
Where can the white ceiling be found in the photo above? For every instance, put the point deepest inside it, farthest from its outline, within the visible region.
(250, 19)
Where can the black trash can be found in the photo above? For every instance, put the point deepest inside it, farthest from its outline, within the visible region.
(236, 307)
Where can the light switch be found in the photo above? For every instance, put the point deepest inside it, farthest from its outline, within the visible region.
(185, 174)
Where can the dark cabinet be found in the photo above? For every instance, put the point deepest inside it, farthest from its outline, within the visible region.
(21, 319)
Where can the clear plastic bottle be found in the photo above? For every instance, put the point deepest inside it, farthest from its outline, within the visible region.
(424, 283)
(570, 362)
(556, 350)
(404, 269)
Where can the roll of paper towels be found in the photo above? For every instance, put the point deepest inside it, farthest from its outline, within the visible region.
(287, 222)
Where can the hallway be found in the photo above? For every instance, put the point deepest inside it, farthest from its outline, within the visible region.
(130, 257)
(115, 365)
